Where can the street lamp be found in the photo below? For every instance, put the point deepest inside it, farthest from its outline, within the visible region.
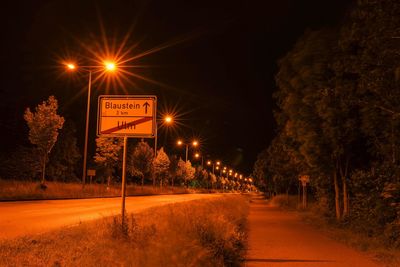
(197, 156)
(167, 120)
(212, 163)
(108, 66)
(194, 143)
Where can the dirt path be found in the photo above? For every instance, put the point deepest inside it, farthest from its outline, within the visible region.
(280, 238)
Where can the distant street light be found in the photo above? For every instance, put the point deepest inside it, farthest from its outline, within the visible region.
(212, 163)
(197, 156)
(194, 143)
(108, 66)
(167, 120)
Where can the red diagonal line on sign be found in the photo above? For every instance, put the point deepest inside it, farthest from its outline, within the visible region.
(132, 123)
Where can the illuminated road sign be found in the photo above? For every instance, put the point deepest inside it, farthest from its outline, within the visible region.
(130, 115)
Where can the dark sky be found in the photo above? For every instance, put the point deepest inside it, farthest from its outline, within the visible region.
(219, 77)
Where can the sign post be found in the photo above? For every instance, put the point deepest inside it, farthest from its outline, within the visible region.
(126, 116)
(91, 173)
(304, 180)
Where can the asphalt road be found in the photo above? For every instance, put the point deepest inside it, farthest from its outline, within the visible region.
(281, 238)
(31, 217)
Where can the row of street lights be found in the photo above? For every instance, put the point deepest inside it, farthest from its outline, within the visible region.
(111, 67)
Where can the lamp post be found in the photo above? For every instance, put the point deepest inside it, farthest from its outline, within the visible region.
(168, 120)
(108, 66)
(209, 163)
(197, 155)
(194, 143)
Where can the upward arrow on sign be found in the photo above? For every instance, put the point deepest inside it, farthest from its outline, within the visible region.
(146, 105)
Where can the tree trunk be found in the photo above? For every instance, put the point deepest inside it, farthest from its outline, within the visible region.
(142, 181)
(337, 193)
(343, 175)
(345, 197)
(393, 143)
(43, 169)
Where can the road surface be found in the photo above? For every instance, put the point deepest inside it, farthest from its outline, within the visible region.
(31, 217)
(280, 238)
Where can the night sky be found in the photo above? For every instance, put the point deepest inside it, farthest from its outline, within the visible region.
(217, 72)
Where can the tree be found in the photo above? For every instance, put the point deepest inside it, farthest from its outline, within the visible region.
(160, 166)
(173, 168)
(44, 124)
(185, 171)
(213, 179)
(318, 112)
(189, 171)
(107, 153)
(65, 155)
(23, 164)
(141, 160)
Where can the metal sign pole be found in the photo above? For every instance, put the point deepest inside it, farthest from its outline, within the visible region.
(123, 180)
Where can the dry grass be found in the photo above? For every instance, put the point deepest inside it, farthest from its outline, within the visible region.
(196, 233)
(18, 190)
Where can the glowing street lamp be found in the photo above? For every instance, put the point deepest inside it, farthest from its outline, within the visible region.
(109, 66)
(168, 119)
(194, 143)
(211, 163)
(70, 66)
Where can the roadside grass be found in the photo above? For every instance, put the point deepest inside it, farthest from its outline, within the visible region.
(375, 246)
(196, 233)
(25, 190)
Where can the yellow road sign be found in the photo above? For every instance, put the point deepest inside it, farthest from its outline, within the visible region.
(130, 115)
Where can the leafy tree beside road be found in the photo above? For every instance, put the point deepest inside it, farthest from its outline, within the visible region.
(107, 154)
(160, 167)
(338, 120)
(140, 160)
(44, 124)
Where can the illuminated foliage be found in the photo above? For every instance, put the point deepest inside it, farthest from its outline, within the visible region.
(140, 161)
(160, 166)
(44, 124)
(107, 153)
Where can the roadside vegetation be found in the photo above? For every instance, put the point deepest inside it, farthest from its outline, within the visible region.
(24, 190)
(50, 166)
(338, 123)
(195, 233)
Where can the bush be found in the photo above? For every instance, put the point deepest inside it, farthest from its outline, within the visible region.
(372, 211)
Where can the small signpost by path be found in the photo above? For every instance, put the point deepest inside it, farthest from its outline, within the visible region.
(126, 116)
(91, 173)
(304, 179)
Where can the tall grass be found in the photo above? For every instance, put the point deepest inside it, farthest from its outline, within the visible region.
(16, 190)
(195, 233)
